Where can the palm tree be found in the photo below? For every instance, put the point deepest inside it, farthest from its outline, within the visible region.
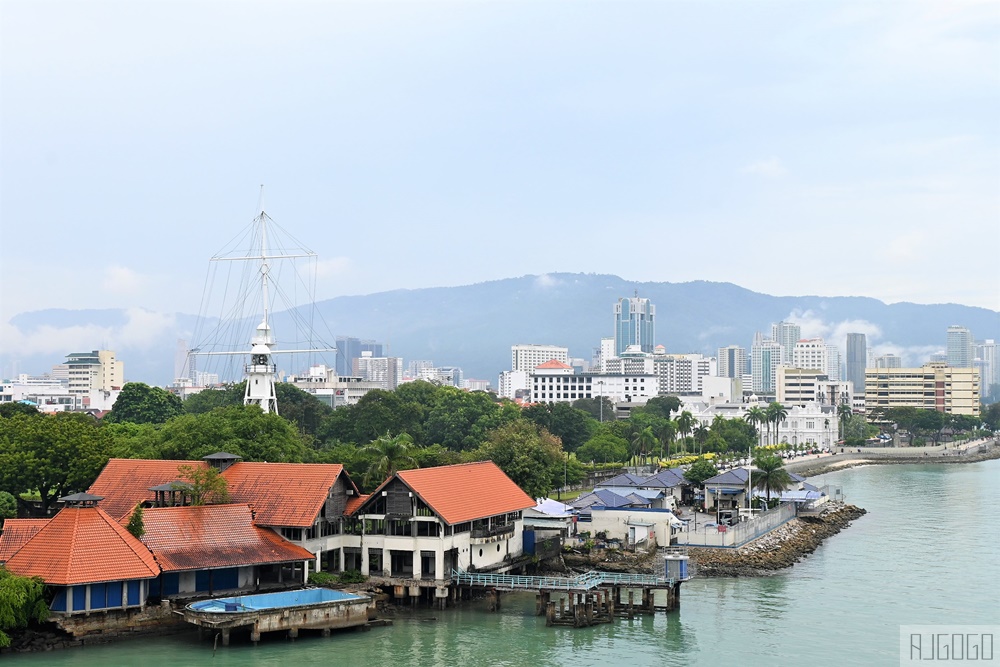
(389, 455)
(756, 416)
(685, 422)
(643, 441)
(776, 412)
(665, 434)
(700, 436)
(770, 474)
(844, 412)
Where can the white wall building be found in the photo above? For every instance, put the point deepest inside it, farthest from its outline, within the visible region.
(525, 357)
(334, 390)
(810, 353)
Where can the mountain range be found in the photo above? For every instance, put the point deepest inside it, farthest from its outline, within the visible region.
(474, 326)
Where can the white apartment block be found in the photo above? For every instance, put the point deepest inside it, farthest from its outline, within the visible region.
(833, 362)
(476, 385)
(732, 361)
(810, 353)
(511, 382)
(93, 371)
(800, 386)
(933, 386)
(526, 356)
(334, 390)
(555, 382)
(765, 357)
(386, 371)
(683, 373)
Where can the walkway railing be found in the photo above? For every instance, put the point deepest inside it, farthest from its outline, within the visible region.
(585, 581)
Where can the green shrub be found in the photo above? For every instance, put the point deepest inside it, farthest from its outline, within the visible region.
(352, 577)
(322, 578)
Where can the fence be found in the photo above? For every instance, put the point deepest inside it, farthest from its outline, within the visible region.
(741, 533)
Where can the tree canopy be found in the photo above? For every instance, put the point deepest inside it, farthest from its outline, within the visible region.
(22, 601)
(531, 457)
(139, 403)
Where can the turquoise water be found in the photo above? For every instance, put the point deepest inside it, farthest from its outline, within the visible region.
(244, 603)
(927, 552)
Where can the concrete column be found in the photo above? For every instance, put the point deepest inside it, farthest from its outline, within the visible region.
(418, 566)
(293, 633)
(255, 635)
(439, 572)
(364, 558)
(225, 636)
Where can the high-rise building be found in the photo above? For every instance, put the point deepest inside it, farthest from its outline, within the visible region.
(94, 371)
(888, 361)
(961, 347)
(387, 371)
(934, 386)
(987, 364)
(811, 353)
(786, 334)
(765, 357)
(349, 349)
(732, 361)
(833, 362)
(526, 356)
(857, 360)
(634, 324)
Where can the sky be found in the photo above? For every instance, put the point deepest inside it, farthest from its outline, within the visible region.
(789, 147)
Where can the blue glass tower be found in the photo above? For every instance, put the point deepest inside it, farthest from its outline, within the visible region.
(634, 324)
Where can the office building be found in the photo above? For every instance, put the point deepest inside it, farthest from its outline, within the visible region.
(961, 347)
(933, 386)
(786, 334)
(857, 361)
(765, 357)
(732, 361)
(634, 324)
(526, 356)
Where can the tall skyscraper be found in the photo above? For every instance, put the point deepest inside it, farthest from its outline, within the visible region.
(786, 334)
(961, 347)
(634, 324)
(765, 357)
(349, 349)
(857, 360)
(988, 365)
(732, 361)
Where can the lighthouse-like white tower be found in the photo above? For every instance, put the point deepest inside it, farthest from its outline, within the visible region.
(260, 371)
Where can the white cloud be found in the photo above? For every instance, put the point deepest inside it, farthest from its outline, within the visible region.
(769, 168)
(546, 281)
(333, 267)
(122, 280)
(143, 329)
(814, 326)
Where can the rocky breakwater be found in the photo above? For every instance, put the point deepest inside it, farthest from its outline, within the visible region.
(781, 548)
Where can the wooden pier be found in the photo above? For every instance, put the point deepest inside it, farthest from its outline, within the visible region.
(584, 600)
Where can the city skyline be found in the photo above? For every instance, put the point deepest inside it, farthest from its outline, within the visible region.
(411, 122)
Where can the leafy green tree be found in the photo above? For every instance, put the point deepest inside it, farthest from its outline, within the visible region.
(139, 403)
(756, 416)
(22, 601)
(991, 416)
(643, 442)
(574, 427)
(376, 413)
(210, 399)
(52, 455)
(531, 457)
(770, 474)
(132, 441)
(461, 419)
(8, 506)
(387, 455)
(435, 455)
(701, 433)
(685, 423)
(204, 483)
(665, 434)
(699, 471)
(301, 409)
(604, 447)
(595, 407)
(17, 408)
(244, 430)
(660, 406)
(136, 526)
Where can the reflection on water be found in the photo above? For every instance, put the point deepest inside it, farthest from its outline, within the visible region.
(925, 553)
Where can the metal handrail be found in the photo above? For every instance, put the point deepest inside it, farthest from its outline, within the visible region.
(585, 581)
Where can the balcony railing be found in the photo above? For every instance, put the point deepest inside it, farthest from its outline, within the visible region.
(495, 531)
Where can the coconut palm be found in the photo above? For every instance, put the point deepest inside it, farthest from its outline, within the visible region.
(644, 441)
(665, 434)
(700, 436)
(389, 454)
(685, 423)
(844, 412)
(756, 416)
(776, 412)
(769, 474)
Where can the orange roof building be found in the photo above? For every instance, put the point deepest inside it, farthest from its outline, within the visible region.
(124, 483)
(91, 561)
(16, 532)
(434, 520)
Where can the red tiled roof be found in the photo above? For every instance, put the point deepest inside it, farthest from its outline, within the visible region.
(83, 545)
(466, 491)
(126, 482)
(354, 502)
(213, 536)
(283, 494)
(16, 532)
(553, 363)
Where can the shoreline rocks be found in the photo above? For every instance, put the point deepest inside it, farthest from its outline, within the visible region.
(779, 549)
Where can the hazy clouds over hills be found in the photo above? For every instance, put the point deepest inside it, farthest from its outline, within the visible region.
(473, 326)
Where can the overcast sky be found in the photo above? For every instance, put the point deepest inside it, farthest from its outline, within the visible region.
(790, 147)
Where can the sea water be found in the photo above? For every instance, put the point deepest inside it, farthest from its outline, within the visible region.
(927, 552)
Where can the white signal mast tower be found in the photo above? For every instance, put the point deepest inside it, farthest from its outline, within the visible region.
(260, 372)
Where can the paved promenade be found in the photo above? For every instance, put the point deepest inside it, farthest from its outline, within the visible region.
(946, 453)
